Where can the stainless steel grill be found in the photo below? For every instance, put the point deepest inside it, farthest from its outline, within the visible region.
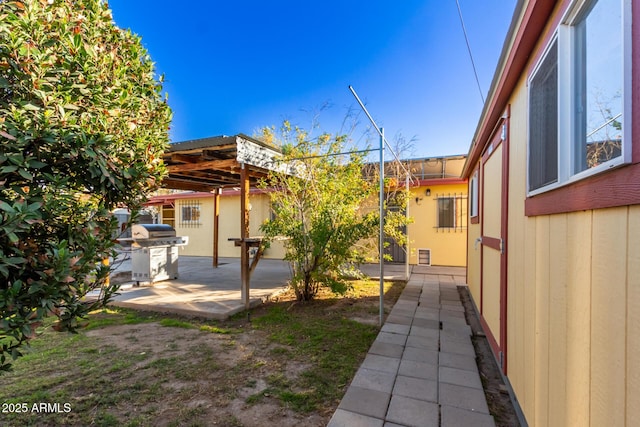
(154, 252)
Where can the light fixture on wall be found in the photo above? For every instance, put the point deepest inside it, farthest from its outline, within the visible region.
(428, 192)
(418, 200)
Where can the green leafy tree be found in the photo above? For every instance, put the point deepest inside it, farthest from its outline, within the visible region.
(83, 123)
(318, 210)
(396, 200)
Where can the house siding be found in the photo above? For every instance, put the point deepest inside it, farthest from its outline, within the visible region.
(201, 236)
(573, 305)
(447, 245)
(473, 262)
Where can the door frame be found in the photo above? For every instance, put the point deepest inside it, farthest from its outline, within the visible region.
(500, 137)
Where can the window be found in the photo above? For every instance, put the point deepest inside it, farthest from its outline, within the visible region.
(451, 211)
(473, 195)
(446, 212)
(576, 97)
(190, 213)
(543, 121)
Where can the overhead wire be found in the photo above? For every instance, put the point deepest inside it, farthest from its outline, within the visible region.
(466, 38)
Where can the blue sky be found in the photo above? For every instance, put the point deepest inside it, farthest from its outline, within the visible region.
(236, 66)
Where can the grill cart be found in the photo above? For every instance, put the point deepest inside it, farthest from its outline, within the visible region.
(154, 252)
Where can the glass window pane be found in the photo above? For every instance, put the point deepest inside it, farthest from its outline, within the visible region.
(446, 212)
(190, 213)
(543, 122)
(598, 91)
(473, 195)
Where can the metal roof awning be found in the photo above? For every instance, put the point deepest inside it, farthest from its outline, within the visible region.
(210, 163)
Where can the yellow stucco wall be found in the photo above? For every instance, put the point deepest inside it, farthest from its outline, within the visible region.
(447, 245)
(201, 235)
(573, 308)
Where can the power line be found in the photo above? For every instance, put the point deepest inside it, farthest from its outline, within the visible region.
(466, 38)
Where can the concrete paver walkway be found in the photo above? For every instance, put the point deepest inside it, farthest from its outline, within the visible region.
(421, 369)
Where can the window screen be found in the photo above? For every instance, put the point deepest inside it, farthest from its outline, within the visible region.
(543, 122)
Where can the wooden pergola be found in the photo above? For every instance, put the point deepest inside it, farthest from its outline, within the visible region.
(211, 164)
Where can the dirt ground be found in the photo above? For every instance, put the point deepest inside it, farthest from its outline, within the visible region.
(253, 360)
(495, 390)
(167, 371)
(215, 396)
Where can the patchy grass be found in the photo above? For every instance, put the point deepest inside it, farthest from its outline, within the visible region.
(218, 330)
(289, 366)
(176, 323)
(118, 316)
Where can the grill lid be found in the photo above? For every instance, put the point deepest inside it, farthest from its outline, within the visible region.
(151, 231)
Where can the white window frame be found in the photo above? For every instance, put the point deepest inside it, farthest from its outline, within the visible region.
(473, 196)
(566, 114)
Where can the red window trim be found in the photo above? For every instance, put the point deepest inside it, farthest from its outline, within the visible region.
(620, 187)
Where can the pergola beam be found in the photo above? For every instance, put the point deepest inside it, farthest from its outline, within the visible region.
(221, 165)
(187, 185)
(210, 164)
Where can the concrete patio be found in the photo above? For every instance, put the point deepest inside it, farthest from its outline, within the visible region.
(201, 290)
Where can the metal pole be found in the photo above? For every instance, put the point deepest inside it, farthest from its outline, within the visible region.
(381, 241)
(375, 126)
(406, 267)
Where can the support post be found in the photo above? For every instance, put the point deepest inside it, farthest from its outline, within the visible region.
(107, 281)
(244, 235)
(407, 272)
(381, 237)
(216, 225)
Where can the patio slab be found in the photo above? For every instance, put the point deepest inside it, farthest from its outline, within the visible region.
(456, 417)
(471, 399)
(364, 401)
(342, 418)
(201, 290)
(412, 412)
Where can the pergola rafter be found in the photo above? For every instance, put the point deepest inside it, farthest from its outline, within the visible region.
(210, 164)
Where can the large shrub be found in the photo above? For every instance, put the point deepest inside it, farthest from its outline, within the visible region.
(319, 210)
(82, 125)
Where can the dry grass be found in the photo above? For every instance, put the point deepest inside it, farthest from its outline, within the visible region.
(288, 366)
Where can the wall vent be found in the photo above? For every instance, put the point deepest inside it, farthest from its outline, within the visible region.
(424, 257)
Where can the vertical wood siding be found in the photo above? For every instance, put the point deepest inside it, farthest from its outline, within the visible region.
(573, 305)
(608, 315)
(491, 221)
(632, 332)
(578, 318)
(473, 263)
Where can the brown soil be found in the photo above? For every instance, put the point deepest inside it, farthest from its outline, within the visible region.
(495, 390)
(186, 377)
(240, 365)
(233, 368)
